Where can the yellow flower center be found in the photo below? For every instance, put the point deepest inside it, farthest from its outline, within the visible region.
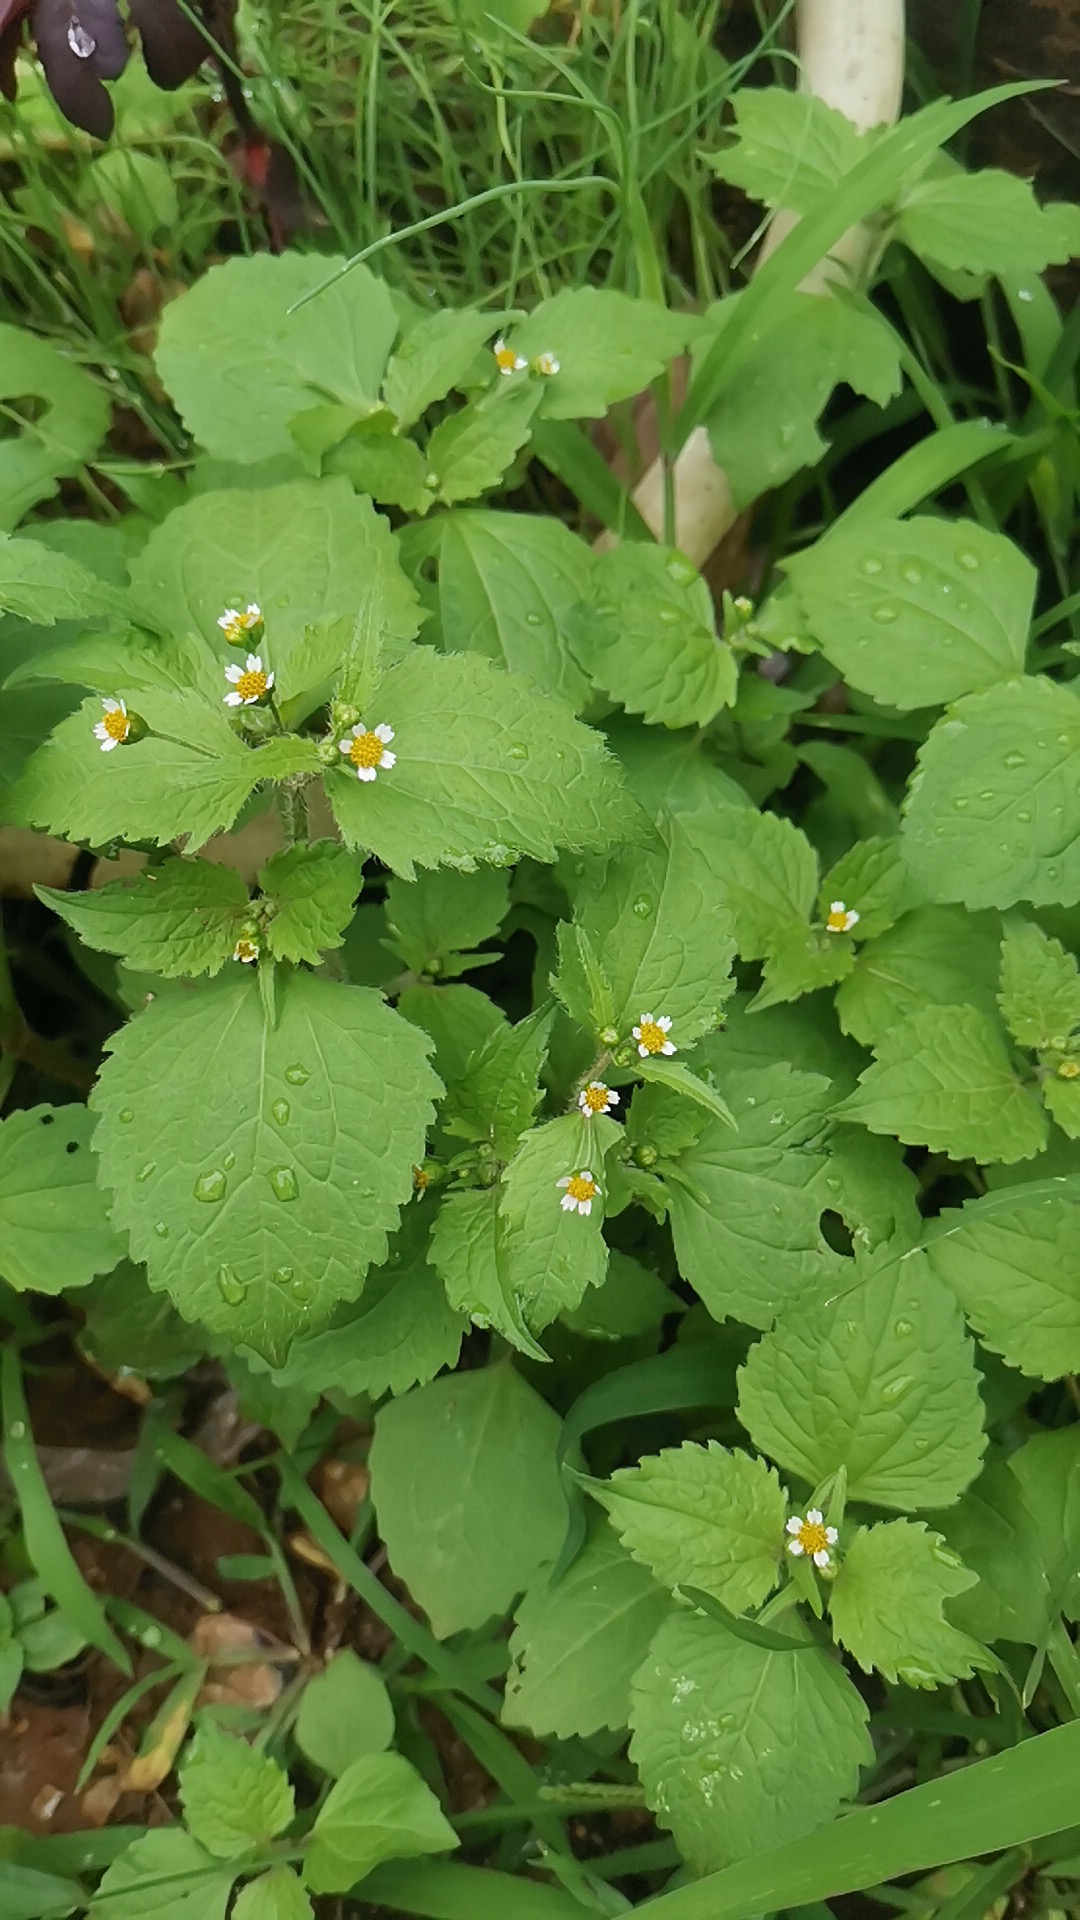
(246, 950)
(1069, 1070)
(652, 1037)
(812, 1537)
(837, 920)
(421, 1178)
(367, 750)
(116, 723)
(505, 359)
(580, 1188)
(596, 1099)
(251, 686)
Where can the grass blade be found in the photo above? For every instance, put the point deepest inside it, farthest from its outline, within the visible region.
(441, 1892)
(1004, 1801)
(48, 1550)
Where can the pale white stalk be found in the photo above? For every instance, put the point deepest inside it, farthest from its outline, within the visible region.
(851, 54)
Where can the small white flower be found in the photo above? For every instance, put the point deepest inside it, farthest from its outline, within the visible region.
(237, 625)
(114, 729)
(811, 1536)
(651, 1035)
(580, 1191)
(506, 359)
(368, 749)
(250, 683)
(546, 364)
(840, 919)
(246, 949)
(596, 1098)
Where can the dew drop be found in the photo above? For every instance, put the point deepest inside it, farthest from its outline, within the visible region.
(986, 793)
(643, 906)
(297, 1076)
(727, 1723)
(161, 1229)
(851, 1328)
(885, 614)
(518, 751)
(681, 572)
(968, 560)
(534, 619)
(301, 1292)
(668, 616)
(1022, 813)
(82, 44)
(280, 1110)
(229, 1162)
(230, 1287)
(283, 1276)
(18, 1429)
(922, 1444)
(210, 1186)
(1013, 760)
(870, 566)
(902, 1328)
(960, 803)
(151, 1636)
(126, 1116)
(912, 574)
(148, 1167)
(284, 1184)
(894, 1390)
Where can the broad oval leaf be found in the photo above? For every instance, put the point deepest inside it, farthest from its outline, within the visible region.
(1013, 1261)
(701, 1516)
(54, 1218)
(887, 1605)
(945, 1078)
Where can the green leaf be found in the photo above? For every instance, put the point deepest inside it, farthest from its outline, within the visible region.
(739, 1747)
(190, 775)
(887, 1605)
(994, 1535)
(880, 1380)
(447, 1458)
(380, 1809)
(993, 810)
(41, 585)
(507, 585)
(869, 1183)
(1047, 1467)
(238, 365)
(399, 1334)
(679, 1079)
(1013, 1261)
(662, 939)
(181, 917)
(274, 1896)
(165, 1875)
(801, 959)
(933, 957)
(985, 223)
(871, 878)
(790, 149)
(499, 1098)
(381, 463)
(128, 1327)
(344, 1712)
(276, 1193)
(434, 357)
(64, 433)
(54, 1220)
(1040, 987)
(460, 1020)
(553, 1255)
(487, 768)
(435, 920)
(609, 347)
(311, 891)
(470, 451)
(309, 554)
(764, 870)
(467, 1252)
(647, 636)
(701, 1516)
(958, 597)
(234, 1797)
(578, 1642)
(745, 1207)
(29, 1895)
(944, 1078)
(765, 430)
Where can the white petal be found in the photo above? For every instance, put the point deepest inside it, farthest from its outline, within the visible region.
(584, 1206)
(646, 1017)
(499, 345)
(358, 730)
(664, 1023)
(383, 733)
(365, 773)
(229, 617)
(793, 1525)
(108, 745)
(636, 1032)
(585, 1174)
(565, 1182)
(612, 1098)
(233, 700)
(269, 681)
(254, 610)
(831, 1536)
(837, 906)
(388, 760)
(567, 1204)
(343, 746)
(644, 1052)
(101, 731)
(795, 1547)
(821, 1557)
(254, 663)
(668, 1047)
(112, 706)
(813, 1517)
(233, 673)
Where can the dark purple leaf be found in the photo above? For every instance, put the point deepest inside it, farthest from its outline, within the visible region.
(100, 21)
(72, 73)
(173, 46)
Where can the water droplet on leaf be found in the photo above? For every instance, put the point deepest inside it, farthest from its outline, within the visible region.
(643, 906)
(126, 1116)
(870, 566)
(210, 1186)
(148, 1167)
(885, 614)
(161, 1229)
(894, 1390)
(283, 1183)
(902, 1328)
(518, 751)
(968, 560)
(230, 1287)
(281, 1110)
(297, 1076)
